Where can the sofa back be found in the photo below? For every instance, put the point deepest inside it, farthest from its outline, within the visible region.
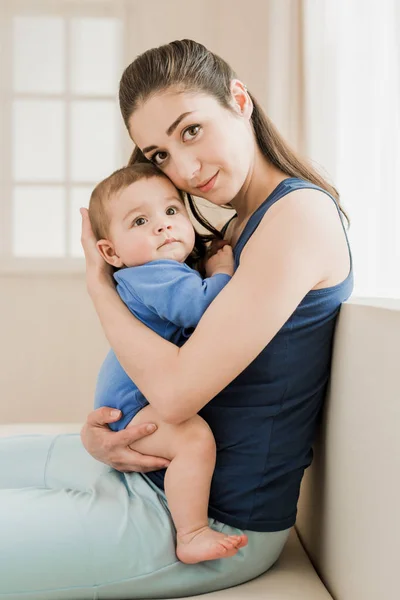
(348, 516)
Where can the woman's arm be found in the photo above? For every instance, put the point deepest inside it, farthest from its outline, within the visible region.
(286, 257)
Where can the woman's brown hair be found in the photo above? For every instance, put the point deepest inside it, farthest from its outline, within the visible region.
(188, 66)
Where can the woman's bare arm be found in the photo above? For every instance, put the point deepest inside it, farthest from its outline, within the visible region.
(285, 258)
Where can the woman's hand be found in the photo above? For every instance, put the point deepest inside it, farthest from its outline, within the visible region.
(98, 272)
(112, 447)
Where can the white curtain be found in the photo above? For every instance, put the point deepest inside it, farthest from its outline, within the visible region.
(352, 114)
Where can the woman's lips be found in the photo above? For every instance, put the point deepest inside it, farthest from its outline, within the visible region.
(209, 184)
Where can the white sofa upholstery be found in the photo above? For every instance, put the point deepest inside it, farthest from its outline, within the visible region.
(347, 529)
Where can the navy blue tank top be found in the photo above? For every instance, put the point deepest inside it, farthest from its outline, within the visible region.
(264, 421)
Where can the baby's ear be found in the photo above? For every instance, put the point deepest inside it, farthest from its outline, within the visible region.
(107, 251)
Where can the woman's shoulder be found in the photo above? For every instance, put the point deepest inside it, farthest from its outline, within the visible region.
(311, 203)
(304, 223)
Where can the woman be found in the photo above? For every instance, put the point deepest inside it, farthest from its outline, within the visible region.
(255, 369)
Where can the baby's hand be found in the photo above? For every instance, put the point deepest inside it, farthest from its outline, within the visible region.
(221, 262)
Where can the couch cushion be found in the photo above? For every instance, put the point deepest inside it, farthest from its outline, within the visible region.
(291, 578)
(348, 510)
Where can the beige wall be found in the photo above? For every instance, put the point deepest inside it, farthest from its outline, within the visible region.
(51, 348)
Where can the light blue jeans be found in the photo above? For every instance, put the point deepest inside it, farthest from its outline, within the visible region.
(73, 528)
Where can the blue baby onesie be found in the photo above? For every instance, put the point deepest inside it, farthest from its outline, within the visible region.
(170, 298)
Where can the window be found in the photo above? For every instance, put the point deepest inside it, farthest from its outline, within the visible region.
(60, 122)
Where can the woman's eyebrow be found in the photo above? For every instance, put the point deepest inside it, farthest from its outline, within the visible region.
(169, 131)
(175, 124)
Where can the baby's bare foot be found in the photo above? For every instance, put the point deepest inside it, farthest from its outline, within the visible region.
(207, 544)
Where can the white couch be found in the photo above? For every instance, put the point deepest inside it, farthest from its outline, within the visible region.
(346, 544)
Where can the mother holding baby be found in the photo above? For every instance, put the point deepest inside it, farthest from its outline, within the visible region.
(256, 367)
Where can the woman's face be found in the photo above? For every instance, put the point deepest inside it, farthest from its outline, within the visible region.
(204, 149)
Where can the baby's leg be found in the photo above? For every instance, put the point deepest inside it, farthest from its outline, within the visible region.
(190, 447)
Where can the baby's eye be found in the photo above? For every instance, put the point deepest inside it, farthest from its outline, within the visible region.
(139, 221)
(191, 132)
(158, 158)
(171, 210)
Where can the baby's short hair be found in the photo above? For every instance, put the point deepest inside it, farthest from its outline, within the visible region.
(107, 189)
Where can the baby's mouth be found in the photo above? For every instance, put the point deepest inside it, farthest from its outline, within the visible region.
(168, 241)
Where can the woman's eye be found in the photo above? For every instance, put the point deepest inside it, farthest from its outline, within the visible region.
(172, 210)
(139, 221)
(191, 132)
(158, 158)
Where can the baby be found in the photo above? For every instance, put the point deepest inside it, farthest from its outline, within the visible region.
(143, 229)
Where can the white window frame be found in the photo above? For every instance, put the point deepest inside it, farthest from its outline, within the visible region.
(67, 9)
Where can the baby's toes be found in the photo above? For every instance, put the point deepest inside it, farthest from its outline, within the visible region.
(229, 543)
(236, 540)
(243, 541)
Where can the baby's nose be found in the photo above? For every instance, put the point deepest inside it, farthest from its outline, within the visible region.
(163, 227)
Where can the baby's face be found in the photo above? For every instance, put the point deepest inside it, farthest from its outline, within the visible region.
(150, 222)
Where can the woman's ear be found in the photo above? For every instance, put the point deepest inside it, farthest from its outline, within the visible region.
(107, 251)
(241, 99)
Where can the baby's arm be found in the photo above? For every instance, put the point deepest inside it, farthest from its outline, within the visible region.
(173, 290)
(221, 261)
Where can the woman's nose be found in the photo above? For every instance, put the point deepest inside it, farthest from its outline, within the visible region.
(187, 167)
